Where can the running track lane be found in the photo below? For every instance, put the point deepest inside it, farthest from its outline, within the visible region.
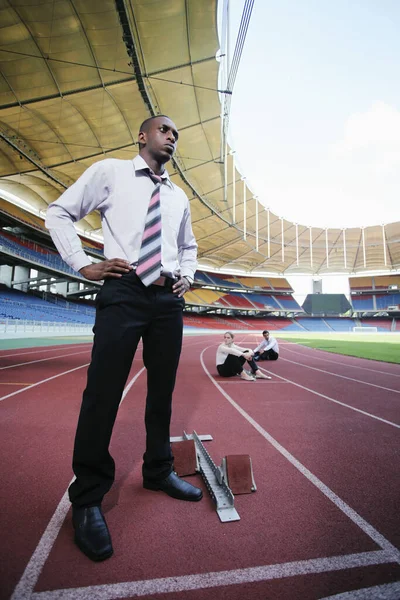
(278, 522)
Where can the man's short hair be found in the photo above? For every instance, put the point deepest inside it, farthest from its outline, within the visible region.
(265, 331)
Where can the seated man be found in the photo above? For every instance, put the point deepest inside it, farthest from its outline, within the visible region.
(268, 349)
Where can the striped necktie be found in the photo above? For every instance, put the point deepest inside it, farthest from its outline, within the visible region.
(149, 263)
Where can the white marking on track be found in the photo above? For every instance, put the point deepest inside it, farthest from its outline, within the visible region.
(381, 387)
(363, 412)
(336, 362)
(42, 381)
(269, 381)
(45, 349)
(25, 586)
(370, 531)
(200, 581)
(387, 591)
(30, 362)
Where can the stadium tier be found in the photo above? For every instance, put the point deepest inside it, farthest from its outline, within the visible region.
(364, 302)
(35, 254)
(16, 305)
(313, 324)
(386, 300)
(287, 302)
(222, 281)
(386, 281)
(361, 283)
(236, 301)
(254, 282)
(379, 282)
(22, 306)
(21, 215)
(380, 324)
(202, 278)
(264, 301)
(340, 323)
(249, 301)
(226, 323)
(375, 302)
(378, 293)
(35, 222)
(280, 285)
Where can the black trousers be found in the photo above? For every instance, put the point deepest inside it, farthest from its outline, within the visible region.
(125, 312)
(233, 365)
(269, 355)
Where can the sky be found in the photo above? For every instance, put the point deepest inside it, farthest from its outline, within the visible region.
(315, 112)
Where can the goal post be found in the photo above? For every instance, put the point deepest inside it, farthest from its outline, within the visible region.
(365, 330)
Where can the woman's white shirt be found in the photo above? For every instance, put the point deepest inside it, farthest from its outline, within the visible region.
(224, 350)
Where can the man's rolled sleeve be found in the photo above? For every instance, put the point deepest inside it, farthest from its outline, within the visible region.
(187, 247)
(84, 196)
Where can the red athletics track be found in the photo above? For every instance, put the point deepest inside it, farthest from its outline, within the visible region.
(323, 437)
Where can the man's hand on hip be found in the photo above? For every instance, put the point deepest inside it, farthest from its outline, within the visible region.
(114, 267)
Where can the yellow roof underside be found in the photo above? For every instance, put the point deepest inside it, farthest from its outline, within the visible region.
(70, 95)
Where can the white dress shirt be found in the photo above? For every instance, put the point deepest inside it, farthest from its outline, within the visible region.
(269, 344)
(120, 190)
(223, 351)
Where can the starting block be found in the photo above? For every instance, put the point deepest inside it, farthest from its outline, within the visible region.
(238, 471)
(185, 456)
(234, 476)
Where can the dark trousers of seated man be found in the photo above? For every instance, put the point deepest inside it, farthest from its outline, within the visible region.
(268, 355)
(233, 365)
(127, 311)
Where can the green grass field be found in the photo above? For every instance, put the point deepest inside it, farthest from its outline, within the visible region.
(33, 342)
(376, 346)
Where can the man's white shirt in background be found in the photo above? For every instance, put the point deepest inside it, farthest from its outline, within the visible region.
(270, 344)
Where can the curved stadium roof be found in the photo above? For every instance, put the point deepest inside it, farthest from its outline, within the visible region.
(78, 78)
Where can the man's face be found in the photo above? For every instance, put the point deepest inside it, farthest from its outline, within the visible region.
(160, 139)
(266, 336)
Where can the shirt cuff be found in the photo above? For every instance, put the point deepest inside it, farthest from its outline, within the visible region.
(189, 278)
(78, 260)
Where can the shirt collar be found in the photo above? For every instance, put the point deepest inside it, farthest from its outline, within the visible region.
(141, 165)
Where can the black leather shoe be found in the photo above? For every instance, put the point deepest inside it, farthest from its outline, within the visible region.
(91, 532)
(175, 487)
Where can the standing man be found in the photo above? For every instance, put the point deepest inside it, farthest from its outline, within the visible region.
(268, 349)
(151, 260)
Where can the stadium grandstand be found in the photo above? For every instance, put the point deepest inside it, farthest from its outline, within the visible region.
(38, 287)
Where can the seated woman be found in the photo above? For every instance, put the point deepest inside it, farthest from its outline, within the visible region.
(231, 358)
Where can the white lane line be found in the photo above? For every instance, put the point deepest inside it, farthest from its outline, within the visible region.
(269, 382)
(336, 362)
(48, 379)
(377, 537)
(45, 349)
(381, 387)
(25, 586)
(30, 362)
(200, 581)
(42, 381)
(363, 412)
(387, 591)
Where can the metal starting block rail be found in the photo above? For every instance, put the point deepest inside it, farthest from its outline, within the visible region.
(215, 480)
